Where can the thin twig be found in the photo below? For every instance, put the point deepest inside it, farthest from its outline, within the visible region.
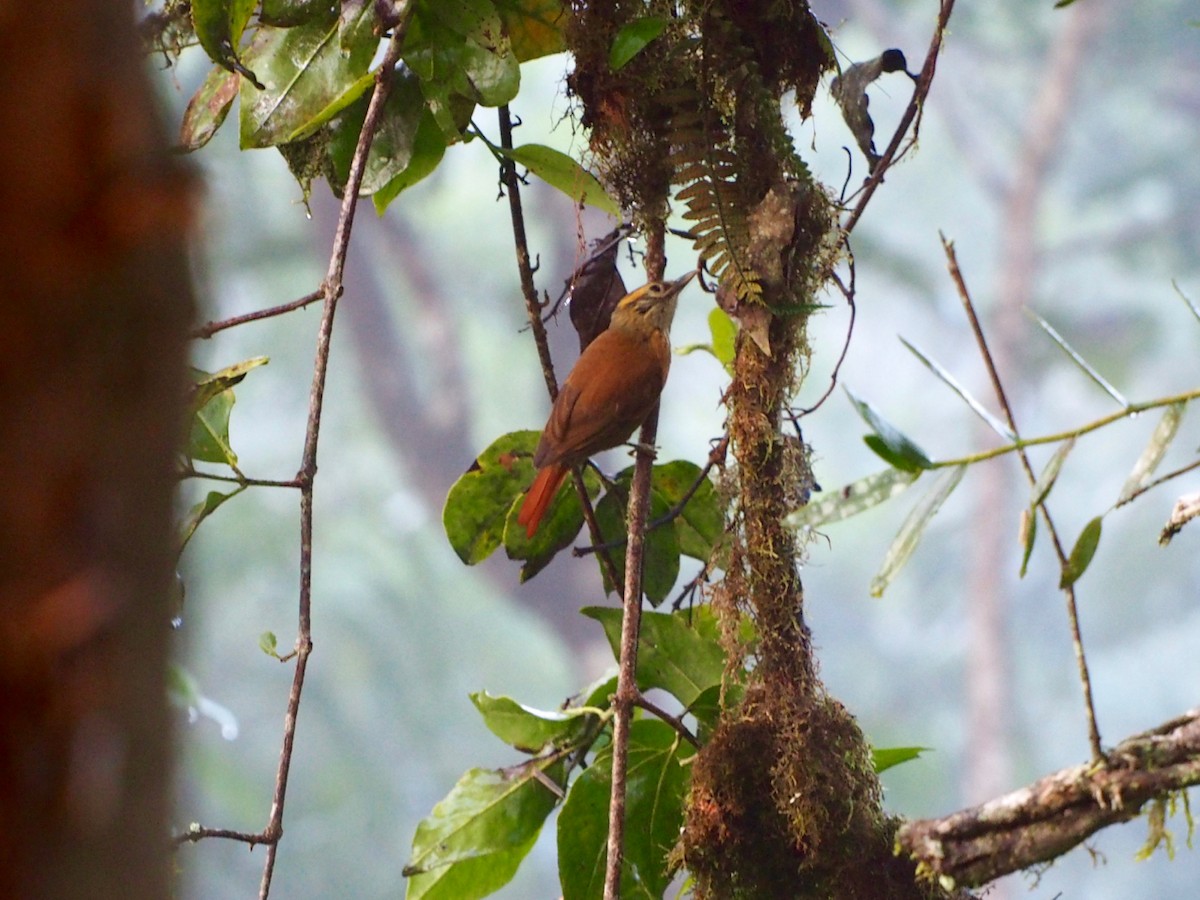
(715, 457)
(627, 691)
(914, 110)
(674, 721)
(208, 330)
(1162, 479)
(848, 293)
(533, 310)
(199, 833)
(241, 480)
(331, 291)
(1002, 397)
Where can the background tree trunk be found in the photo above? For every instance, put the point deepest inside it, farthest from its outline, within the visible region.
(92, 214)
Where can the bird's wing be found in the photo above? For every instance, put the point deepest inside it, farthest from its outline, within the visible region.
(602, 402)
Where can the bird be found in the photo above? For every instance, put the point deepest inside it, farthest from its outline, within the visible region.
(611, 390)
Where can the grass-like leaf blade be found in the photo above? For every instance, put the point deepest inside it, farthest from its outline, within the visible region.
(914, 526)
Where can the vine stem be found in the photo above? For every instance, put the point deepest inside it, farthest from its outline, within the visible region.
(331, 290)
(631, 619)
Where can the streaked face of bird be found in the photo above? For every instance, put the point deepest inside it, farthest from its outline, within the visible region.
(652, 306)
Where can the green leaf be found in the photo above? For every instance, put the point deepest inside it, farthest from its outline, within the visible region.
(852, 499)
(407, 146)
(211, 403)
(632, 38)
(1028, 536)
(1152, 455)
(459, 49)
(949, 380)
(286, 13)
(701, 523)
(1082, 553)
(529, 730)
(886, 757)
(656, 784)
(888, 441)
(707, 707)
(563, 173)
(660, 556)
(307, 79)
(202, 511)
(207, 385)
(673, 654)
(479, 502)
(558, 528)
(473, 841)
(219, 25)
(534, 27)
(268, 644)
(724, 335)
(207, 109)
(1083, 364)
(909, 536)
(1049, 475)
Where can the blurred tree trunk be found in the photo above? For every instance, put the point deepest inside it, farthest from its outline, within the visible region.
(92, 214)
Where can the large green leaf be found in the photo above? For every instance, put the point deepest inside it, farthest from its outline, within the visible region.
(308, 78)
(656, 785)
(534, 27)
(286, 13)
(660, 557)
(473, 841)
(406, 147)
(563, 173)
(528, 729)
(701, 523)
(673, 654)
(479, 502)
(458, 48)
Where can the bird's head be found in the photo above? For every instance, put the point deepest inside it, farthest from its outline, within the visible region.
(652, 305)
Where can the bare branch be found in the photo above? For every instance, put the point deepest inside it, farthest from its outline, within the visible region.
(206, 331)
(1047, 818)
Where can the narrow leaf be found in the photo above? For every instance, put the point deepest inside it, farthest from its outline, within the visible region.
(632, 39)
(1079, 360)
(563, 173)
(1028, 535)
(1186, 299)
(914, 526)
(1152, 455)
(884, 758)
(1082, 553)
(1045, 481)
(992, 422)
(888, 441)
(852, 499)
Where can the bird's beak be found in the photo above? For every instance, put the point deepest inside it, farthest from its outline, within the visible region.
(680, 283)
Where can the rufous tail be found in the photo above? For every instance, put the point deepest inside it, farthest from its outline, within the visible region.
(537, 501)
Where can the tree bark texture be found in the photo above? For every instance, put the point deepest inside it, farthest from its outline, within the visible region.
(92, 213)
